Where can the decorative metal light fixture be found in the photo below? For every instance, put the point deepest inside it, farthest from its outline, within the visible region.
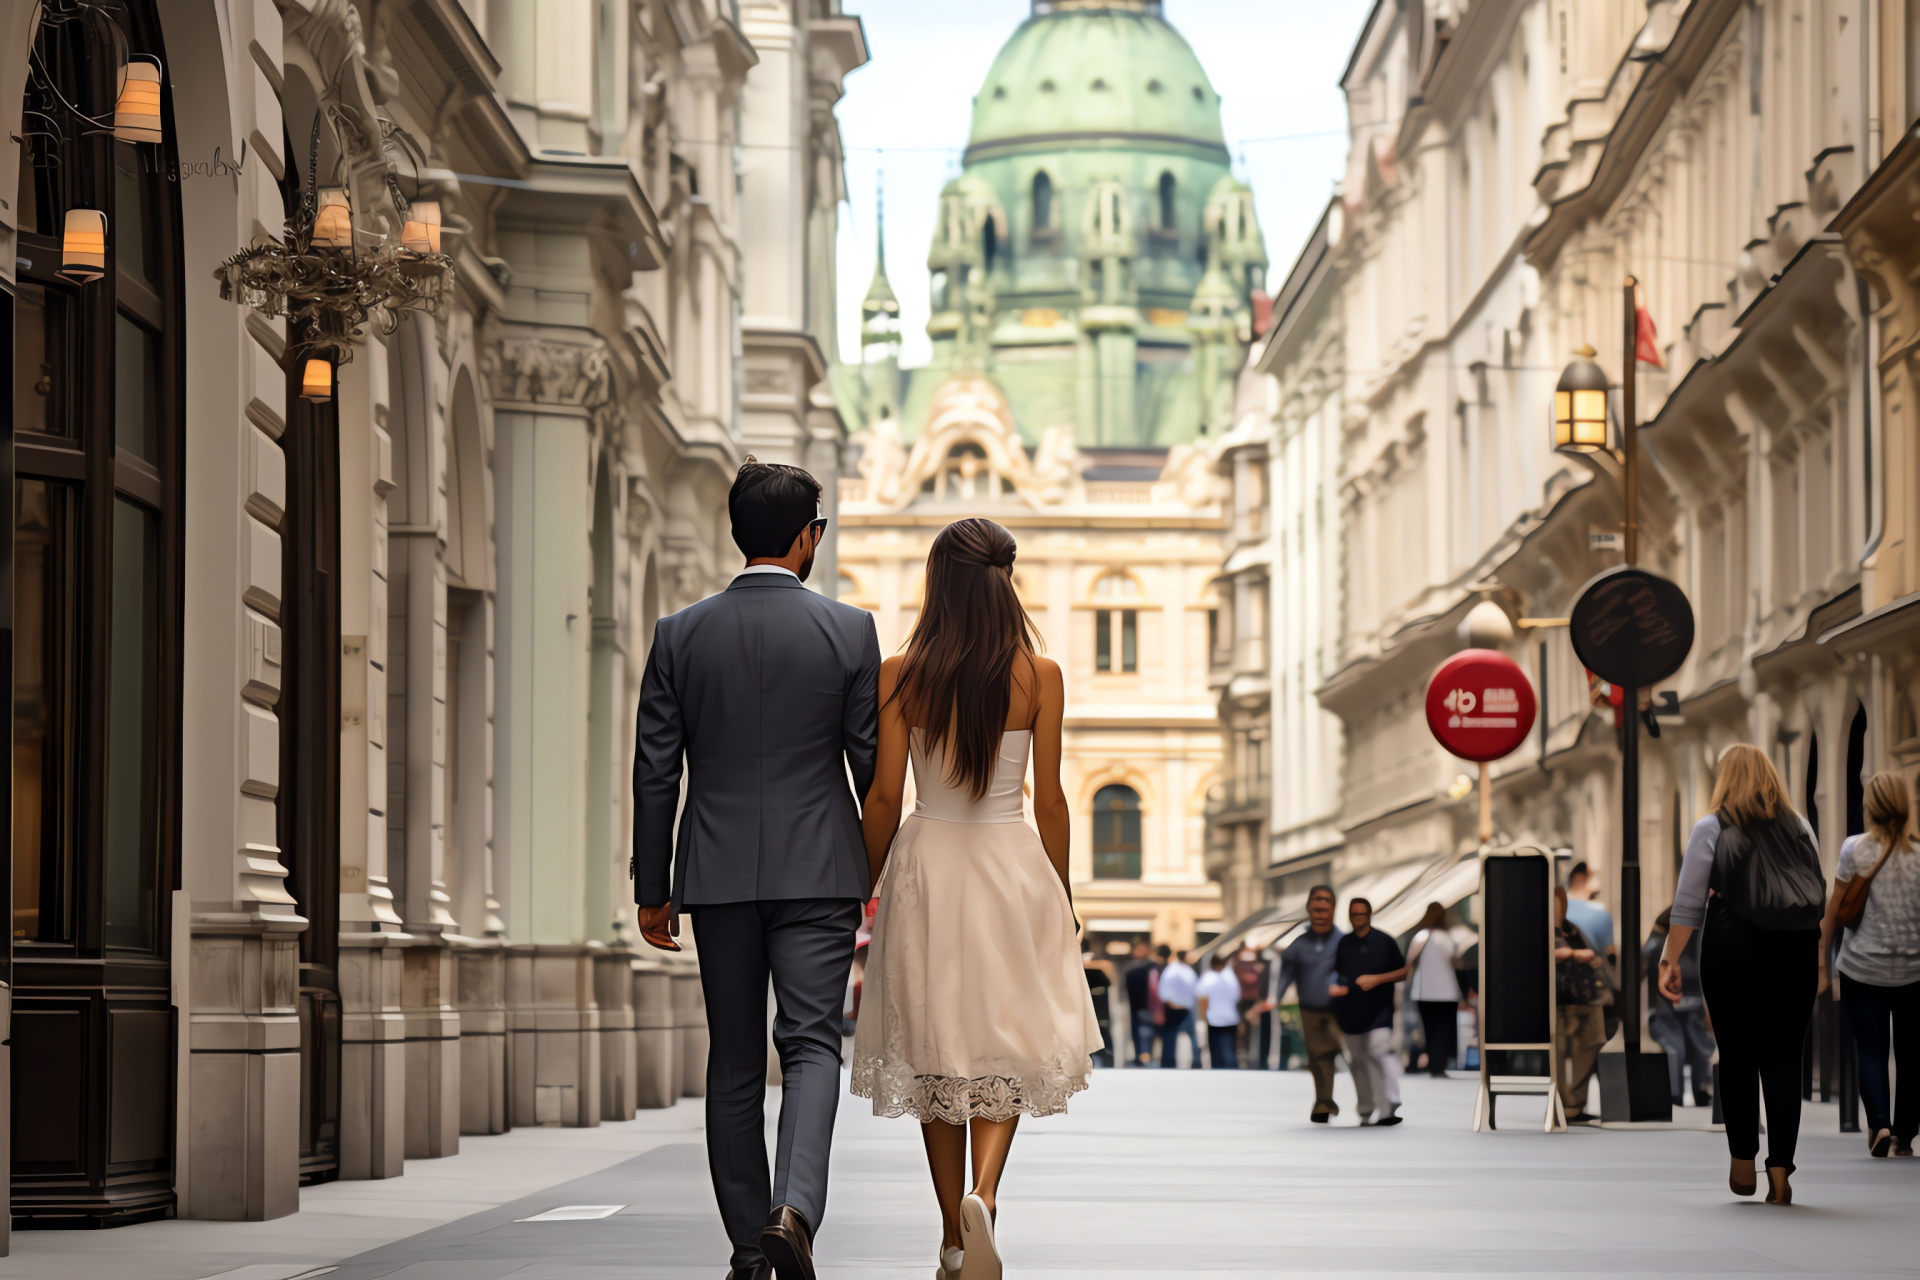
(1580, 418)
(316, 380)
(136, 116)
(83, 249)
(328, 286)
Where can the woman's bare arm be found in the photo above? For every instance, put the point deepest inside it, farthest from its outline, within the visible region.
(880, 815)
(1050, 812)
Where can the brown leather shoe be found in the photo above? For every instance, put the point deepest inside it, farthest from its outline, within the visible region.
(787, 1241)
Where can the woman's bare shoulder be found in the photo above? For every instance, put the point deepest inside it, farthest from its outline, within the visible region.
(1048, 670)
(891, 666)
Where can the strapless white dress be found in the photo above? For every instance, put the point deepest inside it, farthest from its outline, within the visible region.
(975, 1002)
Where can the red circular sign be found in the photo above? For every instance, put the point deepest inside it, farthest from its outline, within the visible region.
(1480, 704)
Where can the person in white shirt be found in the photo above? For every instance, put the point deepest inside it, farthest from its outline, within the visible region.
(1219, 996)
(1435, 988)
(1177, 990)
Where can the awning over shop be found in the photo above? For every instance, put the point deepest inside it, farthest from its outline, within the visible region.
(1258, 929)
(1447, 889)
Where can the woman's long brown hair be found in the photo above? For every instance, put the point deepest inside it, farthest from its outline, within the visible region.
(957, 676)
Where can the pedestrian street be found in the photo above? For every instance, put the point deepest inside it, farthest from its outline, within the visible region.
(1153, 1174)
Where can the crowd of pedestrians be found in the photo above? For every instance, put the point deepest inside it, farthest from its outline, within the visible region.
(1732, 971)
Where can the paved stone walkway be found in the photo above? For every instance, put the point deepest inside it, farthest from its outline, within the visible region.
(1152, 1175)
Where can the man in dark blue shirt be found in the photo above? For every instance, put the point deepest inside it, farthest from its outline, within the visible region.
(1368, 964)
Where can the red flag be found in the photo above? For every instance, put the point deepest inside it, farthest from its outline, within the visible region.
(1646, 341)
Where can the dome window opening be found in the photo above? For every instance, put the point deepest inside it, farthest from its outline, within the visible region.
(1046, 86)
(999, 92)
(1099, 86)
(1169, 192)
(1154, 86)
(967, 474)
(1199, 94)
(1042, 206)
(989, 245)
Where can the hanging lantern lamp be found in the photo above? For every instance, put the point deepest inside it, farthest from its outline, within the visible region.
(316, 381)
(83, 249)
(333, 221)
(1580, 419)
(421, 234)
(136, 116)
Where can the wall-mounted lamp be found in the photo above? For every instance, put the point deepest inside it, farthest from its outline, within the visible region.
(83, 250)
(316, 381)
(136, 116)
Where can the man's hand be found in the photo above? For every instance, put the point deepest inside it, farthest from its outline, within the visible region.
(660, 926)
(1335, 989)
(1582, 955)
(1368, 981)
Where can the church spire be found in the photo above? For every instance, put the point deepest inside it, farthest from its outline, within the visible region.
(880, 309)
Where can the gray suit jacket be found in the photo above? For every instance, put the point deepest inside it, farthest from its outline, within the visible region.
(769, 692)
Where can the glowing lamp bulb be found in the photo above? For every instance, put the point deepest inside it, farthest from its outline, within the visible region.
(316, 381)
(333, 221)
(136, 116)
(421, 234)
(83, 250)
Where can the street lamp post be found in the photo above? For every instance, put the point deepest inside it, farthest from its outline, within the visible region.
(1580, 426)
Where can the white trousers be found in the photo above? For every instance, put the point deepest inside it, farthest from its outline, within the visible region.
(1376, 1071)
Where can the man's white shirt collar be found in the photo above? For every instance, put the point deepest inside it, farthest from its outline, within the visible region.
(768, 568)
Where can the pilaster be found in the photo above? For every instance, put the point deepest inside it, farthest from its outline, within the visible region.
(373, 1056)
(553, 1027)
(613, 992)
(656, 1061)
(428, 986)
(481, 990)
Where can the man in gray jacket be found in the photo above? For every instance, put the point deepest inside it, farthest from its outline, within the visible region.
(767, 692)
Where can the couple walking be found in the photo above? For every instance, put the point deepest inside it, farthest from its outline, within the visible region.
(770, 698)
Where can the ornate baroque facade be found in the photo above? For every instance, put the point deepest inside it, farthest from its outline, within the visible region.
(1511, 164)
(380, 740)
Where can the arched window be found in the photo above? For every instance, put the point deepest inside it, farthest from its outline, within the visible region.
(1116, 833)
(989, 244)
(1168, 190)
(1116, 628)
(967, 473)
(1042, 204)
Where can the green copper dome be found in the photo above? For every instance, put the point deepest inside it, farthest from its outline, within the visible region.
(1117, 75)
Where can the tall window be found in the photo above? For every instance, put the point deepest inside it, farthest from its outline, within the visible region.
(1116, 626)
(1116, 833)
(1169, 189)
(1042, 206)
(96, 492)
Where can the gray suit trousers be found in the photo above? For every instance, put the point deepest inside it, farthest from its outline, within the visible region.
(806, 945)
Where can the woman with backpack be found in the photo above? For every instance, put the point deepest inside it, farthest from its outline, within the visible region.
(1876, 898)
(1751, 882)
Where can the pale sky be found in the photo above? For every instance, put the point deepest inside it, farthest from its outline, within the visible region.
(1276, 64)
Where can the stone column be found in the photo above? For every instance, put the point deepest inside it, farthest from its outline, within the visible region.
(553, 1028)
(373, 1056)
(656, 1064)
(482, 991)
(432, 1024)
(613, 992)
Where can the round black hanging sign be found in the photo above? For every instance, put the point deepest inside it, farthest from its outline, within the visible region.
(1631, 627)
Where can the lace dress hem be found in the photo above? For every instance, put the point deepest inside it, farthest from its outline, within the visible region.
(897, 1090)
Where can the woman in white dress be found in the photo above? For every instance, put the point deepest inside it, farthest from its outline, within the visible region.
(975, 1010)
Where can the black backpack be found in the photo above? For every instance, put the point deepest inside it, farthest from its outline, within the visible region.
(1769, 873)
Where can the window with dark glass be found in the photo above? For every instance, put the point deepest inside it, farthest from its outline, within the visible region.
(1116, 833)
(1116, 631)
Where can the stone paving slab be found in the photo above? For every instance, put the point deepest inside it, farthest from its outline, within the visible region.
(1152, 1175)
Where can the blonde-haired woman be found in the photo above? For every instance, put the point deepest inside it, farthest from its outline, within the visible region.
(1751, 883)
(1879, 961)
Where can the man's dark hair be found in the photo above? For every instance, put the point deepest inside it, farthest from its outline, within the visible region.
(1219, 959)
(1322, 888)
(1163, 951)
(769, 505)
(1579, 869)
(1360, 902)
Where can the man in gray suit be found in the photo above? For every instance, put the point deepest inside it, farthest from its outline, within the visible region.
(768, 692)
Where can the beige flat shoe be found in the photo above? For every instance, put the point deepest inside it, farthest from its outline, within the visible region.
(980, 1258)
(948, 1268)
